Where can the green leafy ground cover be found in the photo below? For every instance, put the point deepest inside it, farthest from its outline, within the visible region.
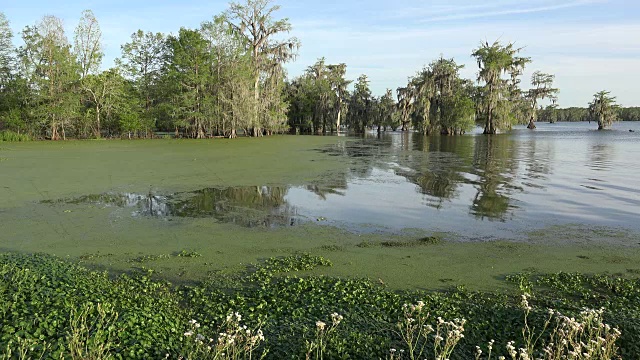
(41, 295)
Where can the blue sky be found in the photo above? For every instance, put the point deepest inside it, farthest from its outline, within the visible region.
(590, 45)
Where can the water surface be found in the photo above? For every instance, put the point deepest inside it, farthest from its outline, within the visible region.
(487, 186)
(476, 187)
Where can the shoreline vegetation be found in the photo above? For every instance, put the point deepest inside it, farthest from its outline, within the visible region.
(299, 295)
(228, 76)
(53, 308)
(286, 305)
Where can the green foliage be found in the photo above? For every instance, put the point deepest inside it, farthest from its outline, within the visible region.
(56, 302)
(498, 96)
(252, 22)
(629, 114)
(437, 100)
(56, 308)
(360, 106)
(542, 88)
(603, 109)
(554, 114)
(459, 114)
(10, 136)
(228, 75)
(190, 70)
(316, 98)
(6, 50)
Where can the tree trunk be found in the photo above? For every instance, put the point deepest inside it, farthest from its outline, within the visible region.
(256, 94)
(532, 124)
(338, 120)
(97, 132)
(54, 132)
(488, 126)
(201, 134)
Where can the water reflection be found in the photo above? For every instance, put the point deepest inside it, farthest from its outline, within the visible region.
(250, 206)
(491, 185)
(495, 166)
(537, 158)
(439, 167)
(601, 156)
(253, 206)
(146, 205)
(520, 179)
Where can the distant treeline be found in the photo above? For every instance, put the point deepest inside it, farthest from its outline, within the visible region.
(582, 114)
(227, 77)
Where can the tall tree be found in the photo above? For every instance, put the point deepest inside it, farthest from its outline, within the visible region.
(405, 104)
(7, 59)
(322, 94)
(604, 109)
(339, 85)
(494, 60)
(424, 90)
(52, 72)
(542, 88)
(386, 109)
(360, 105)
(7, 69)
(446, 80)
(142, 61)
(228, 61)
(255, 23)
(88, 44)
(190, 69)
(105, 91)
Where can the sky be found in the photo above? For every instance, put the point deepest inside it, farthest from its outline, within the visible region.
(590, 45)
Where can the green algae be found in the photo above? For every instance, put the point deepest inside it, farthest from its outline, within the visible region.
(100, 237)
(53, 170)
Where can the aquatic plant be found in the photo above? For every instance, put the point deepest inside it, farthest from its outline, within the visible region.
(50, 308)
(10, 136)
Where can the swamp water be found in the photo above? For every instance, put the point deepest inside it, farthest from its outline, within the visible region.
(561, 198)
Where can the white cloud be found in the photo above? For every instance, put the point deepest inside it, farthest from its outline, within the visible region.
(510, 10)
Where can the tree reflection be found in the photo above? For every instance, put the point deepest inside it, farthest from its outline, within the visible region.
(537, 158)
(339, 187)
(248, 206)
(440, 166)
(601, 156)
(495, 166)
(439, 169)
